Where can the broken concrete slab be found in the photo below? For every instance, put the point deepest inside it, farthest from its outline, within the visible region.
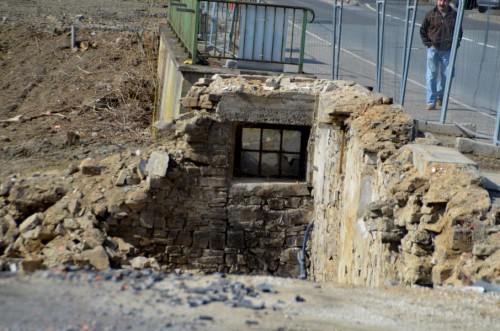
(426, 155)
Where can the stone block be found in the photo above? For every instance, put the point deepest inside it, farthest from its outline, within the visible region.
(159, 222)
(32, 234)
(147, 218)
(289, 256)
(173, 250)
(31, 222)
(271, 242)
(141, 169)
(176, 223)
(383, 224)
(177, 259)
(213, 171)
(288, 270)
(193, 252)
(256, 262)
(213, 181)
(236, 239)
(244, 213)
(90, 167)
(276, 204)
(416, 270)
(196, 137)
(211, 260)
(121, 179)
(205, 102)
(31, 264)
(184, 238)
(217, 240)
(231, 259)
(293, 202)
(242, 259)
(158, 164)
(484, 249)
(190, 102)
(440, 273)
(461, 239)
(201, 239)
(282, 190)
(253, 200)
(97, 257)
(294, 240)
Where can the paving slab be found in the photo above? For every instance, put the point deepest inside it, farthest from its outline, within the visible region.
(426, 155)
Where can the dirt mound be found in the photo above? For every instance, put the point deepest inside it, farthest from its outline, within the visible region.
(59, 103)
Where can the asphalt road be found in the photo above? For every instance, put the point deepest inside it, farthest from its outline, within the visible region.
(475, 89)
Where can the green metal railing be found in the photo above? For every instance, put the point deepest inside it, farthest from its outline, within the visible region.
(243, 31)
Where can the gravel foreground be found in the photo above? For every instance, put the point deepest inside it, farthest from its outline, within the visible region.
(70, 299)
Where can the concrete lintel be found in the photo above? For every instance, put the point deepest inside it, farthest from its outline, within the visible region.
(446, 129)
(426, 155)
(290, 108)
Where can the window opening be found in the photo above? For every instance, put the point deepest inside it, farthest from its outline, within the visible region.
(271, 151)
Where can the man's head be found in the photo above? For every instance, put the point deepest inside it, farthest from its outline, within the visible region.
(443, 5)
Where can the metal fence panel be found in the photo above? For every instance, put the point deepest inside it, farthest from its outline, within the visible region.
(476, 84)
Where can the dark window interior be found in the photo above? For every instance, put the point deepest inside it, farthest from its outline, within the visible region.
(271, 151)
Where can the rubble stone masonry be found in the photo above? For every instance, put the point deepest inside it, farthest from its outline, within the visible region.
(379, 214)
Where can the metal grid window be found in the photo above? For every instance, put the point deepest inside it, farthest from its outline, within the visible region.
(271, 151)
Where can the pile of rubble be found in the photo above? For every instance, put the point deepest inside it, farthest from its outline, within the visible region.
(57, 218)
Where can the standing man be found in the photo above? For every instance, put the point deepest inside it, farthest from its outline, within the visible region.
(437, 34)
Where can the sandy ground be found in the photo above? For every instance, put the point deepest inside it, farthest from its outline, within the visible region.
(90, 301)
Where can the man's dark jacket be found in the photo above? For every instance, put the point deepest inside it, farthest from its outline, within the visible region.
(437, 30)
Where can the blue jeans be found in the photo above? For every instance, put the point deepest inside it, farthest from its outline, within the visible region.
(437, 62)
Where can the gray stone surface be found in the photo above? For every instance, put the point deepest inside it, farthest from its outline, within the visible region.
(157, 164)
(425, 156)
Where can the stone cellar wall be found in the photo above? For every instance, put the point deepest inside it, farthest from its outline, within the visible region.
(383, 208)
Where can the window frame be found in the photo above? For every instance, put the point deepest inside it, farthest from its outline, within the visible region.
(305, 132)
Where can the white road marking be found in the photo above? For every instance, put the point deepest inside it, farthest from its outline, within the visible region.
(418, 24)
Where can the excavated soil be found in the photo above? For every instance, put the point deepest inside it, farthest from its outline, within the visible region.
(60, 105)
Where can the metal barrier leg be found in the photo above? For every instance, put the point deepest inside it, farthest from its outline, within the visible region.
(338, 6)
(380, 42)
(407, 47)
(451, 65)
(496, 136)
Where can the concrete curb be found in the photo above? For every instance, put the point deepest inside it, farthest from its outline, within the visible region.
(466, 145)
(446, 129)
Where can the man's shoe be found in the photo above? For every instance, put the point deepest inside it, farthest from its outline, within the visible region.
(439, 102)
(431, 106)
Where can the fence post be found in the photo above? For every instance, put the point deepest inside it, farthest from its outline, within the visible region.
(407, 48)
(194, 46)
(496, 135)
(451, 64)
(338, 6)
(302, 41)
(380, 42)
